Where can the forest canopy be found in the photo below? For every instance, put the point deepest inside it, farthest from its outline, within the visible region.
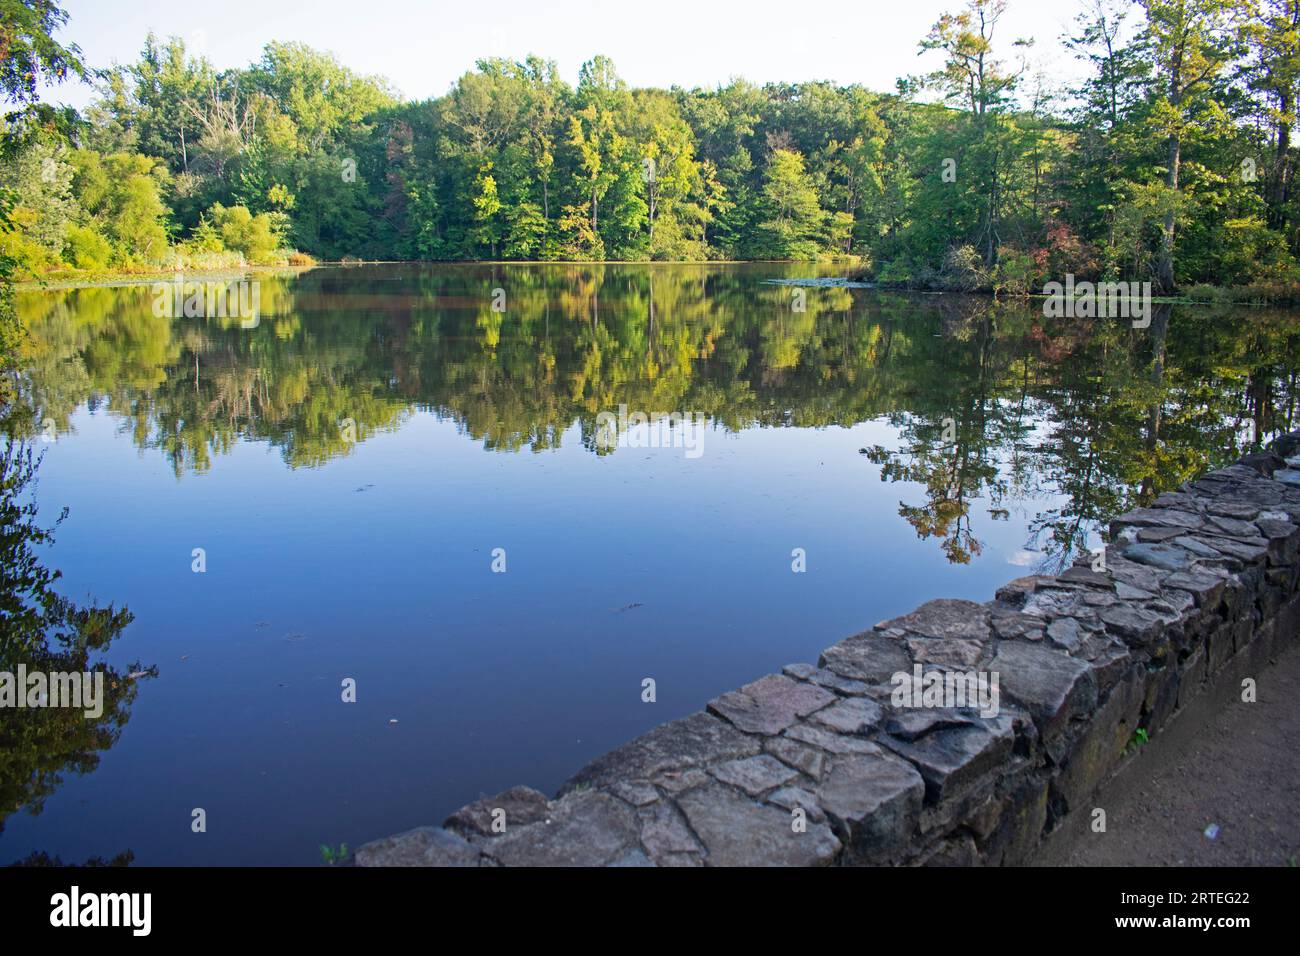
(1172, 160)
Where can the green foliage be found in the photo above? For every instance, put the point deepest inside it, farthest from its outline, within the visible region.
(240, 231)
(1143, 175)
(87, 249)
(331, 856)
(121, 193)
(30, 57)
(1139, 740)
(792, 216)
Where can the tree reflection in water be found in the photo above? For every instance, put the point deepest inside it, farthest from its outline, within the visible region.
(995, 406)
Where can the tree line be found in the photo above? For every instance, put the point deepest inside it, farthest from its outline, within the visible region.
(1172, 160)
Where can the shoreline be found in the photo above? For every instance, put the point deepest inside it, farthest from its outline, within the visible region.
(126, 279)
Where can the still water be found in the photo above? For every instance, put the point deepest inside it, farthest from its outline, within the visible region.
(355, 463)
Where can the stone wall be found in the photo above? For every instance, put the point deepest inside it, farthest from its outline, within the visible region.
(817, 765)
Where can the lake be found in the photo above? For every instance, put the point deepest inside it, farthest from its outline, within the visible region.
(432, 481)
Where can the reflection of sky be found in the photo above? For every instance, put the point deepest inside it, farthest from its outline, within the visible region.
(376, 566)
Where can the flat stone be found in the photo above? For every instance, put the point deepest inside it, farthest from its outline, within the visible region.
(790, 797)
(522, 805)
(636, 792)
(1205, 587)
(1248, 551)
(826, 678)
(1052, 686)
(1288, 476)
(1264, 493)
(1135, 575)
(953, 758)
(770, 704)
(423, 846)
(1126, 592)
(829, 741)
(754, 775)
(807, 760)
(585, 829)
(1135, 624)
(1244, 510)
(1051, 603)
(914, 723)
(1283, 537)
(736, 831)
(1010, 624)
(1173, 603)
(1065, 632)
(1082, 574)
(1239, 472)
(855, 716)
(1233, 527)
(1109, 658)
(874, 803)
(1271, 528)
(1158, 535)
(1157, 518)
(1178, 500)
(1163, 556)
(675, 781)
(1216, 487)
(1015, 592)
(952, 652)
(1199, 548)
(664, 832)
(943, 618)
(694, 741)
(866, 657)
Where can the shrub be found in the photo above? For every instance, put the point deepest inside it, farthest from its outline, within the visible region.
(17, 244)
(87, 249)
(1016, 272)
(253, 236)
(895, 272)
(963, 270)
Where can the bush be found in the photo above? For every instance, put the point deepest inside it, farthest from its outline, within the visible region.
(204, 239)
(895, 272)
(1016, 272)
(87, 249)
(239, 230)
(963, 270)
(17, 244)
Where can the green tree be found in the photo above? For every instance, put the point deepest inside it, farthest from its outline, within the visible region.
(793, 217)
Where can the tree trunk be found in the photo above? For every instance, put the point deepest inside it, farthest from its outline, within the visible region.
(1165, 268)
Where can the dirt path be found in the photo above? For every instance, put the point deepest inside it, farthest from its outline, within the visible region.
(1240, 769)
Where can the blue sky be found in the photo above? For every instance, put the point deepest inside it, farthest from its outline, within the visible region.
(422, 47)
